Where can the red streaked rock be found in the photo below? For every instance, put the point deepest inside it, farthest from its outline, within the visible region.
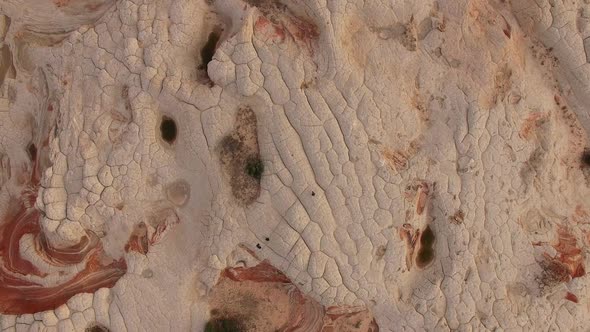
(66, 256)
(19, 295)
(571, 297)
(262, 297)
(569, 253)
(567, 264)
(284, 24)
(138, 240)
(263, 272)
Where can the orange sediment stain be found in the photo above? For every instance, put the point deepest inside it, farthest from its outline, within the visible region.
(571, 297)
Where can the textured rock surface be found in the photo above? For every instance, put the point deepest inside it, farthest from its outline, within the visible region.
(422, 163)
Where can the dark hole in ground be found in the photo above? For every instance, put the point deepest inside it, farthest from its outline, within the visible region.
(168, 129)
(32, 151)
(258, 246)
(313, 193)
(425, 256)
(426, 252)
(224, 325)
(208, 49)
(96, 328)
(586, 158)
(427, 238)
(267, 239)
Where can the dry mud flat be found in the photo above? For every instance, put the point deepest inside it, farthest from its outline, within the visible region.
(305, 165)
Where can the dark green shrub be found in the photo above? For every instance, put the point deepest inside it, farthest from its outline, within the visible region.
(255, 168)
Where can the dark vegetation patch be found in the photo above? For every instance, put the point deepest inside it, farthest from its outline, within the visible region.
(240, 157)
(224, 325)
(168, 130)
(235, 313)
(255, 168)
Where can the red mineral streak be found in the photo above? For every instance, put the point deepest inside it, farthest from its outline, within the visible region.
(138, 241)
(305, 313)
(334, 314)
(22, 297)
(530, 124)
(569, 261)
(507, 29)
(279, 32)
(159, 233)
(571, 297)
(93, 7)
(266, 28)
(301, 31)
(164, 224)
(19, 295)
(20, 222)
(261, 23)
(66, 256)
(61, 3)
(410, 236)
(263, 272)
(569, 253)
(422, 198)
(581, 216)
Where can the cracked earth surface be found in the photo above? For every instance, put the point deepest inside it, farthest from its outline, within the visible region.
(304, 165)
